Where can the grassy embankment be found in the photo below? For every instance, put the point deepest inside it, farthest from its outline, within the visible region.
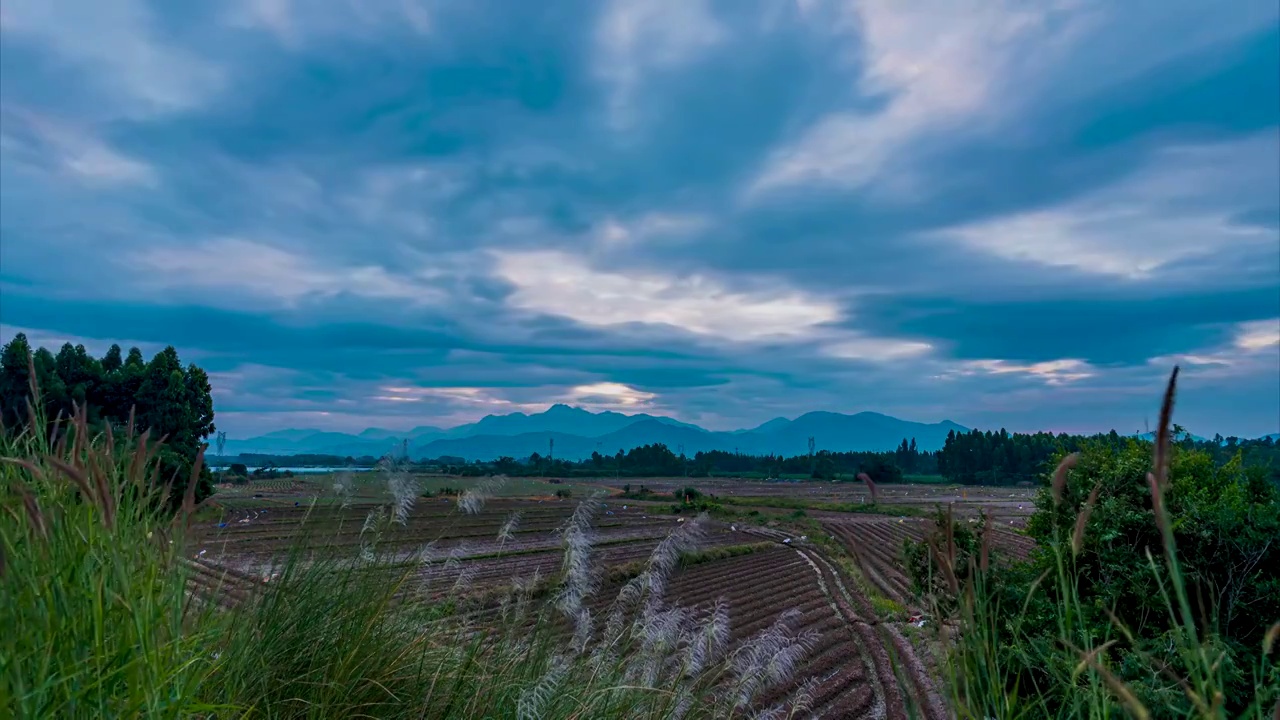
(100, 621)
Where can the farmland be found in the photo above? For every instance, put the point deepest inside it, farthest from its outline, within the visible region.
(1006, 506)
(876, 543)
(859, 661)
(453, 550)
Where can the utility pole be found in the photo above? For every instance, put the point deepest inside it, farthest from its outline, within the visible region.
(551, 449)
(812, 462)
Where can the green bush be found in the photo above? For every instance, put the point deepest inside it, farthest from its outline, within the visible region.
(1151, 591)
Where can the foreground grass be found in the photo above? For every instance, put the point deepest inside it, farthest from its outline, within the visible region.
(1044, 646)
(100, 620)
(93, 597)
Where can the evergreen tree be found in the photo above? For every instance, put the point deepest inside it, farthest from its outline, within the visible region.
(173, 402)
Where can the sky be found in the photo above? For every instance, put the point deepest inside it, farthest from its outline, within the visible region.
(1007, 214)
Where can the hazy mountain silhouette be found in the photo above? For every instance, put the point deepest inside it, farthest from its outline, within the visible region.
(578, 433)
(556, 419)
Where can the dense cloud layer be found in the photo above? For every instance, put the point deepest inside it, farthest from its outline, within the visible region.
(354, 214)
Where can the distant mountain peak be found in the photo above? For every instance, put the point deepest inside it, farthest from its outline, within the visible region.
(578, 432)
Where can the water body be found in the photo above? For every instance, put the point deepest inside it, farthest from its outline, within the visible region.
(310, 470)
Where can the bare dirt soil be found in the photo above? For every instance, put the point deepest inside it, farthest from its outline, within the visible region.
(861, 664)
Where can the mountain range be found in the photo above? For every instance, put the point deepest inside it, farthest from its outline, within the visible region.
(577, 433)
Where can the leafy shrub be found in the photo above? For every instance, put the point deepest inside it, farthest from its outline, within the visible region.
(1151, 589)
(689, 494)
(945, 560)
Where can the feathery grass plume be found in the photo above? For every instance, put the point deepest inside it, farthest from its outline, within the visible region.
(1059, 481)
(463, 581)
(984, 546)
(801, 703)
(579, 575)
(533, 702)
(343, 486)
(428, 554)
(682, 705)
(768, 658)
(803, 699)
(709, 642)
(1269, 640)
(189, 495)
(515, 602)
(1158, 478)
(663, 561)
(773, 712)
(402, 488)
(1126, 696)
(373, 519)
(951, 537)
(665, 558)
(456, 554)
(871, 486)
(32, 508)
(583, 626)
(508, 529)
(660, 632)
(1077, 536)
(472, 500)
(1160, 462)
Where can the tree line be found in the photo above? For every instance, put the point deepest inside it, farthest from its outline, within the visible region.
(161, 395)
(658, 460)
(990, 457)
(976, 457)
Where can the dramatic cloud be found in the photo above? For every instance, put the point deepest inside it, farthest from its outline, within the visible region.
(561, 284)
(262, 272)
(1258, 335)
(1053, 372)
(931, 67)
(1185, 205)
(1016, 214)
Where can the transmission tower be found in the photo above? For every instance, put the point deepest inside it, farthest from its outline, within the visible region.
(222, 443)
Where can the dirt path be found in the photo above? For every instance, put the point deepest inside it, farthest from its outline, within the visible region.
(898, 677)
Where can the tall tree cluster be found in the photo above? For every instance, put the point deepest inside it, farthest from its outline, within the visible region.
(171, 400)
(658, 460)
(990, 457)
